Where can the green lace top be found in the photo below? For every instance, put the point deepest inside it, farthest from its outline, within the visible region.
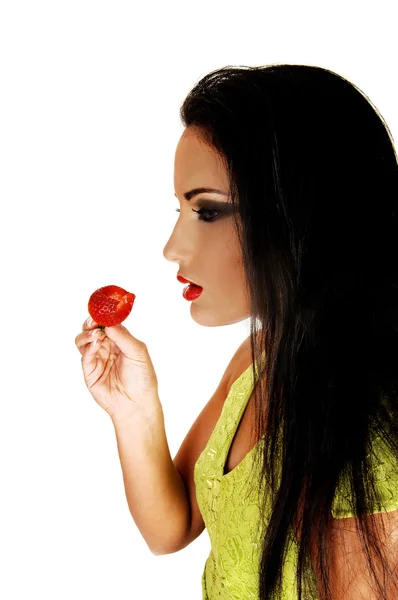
(229, 507)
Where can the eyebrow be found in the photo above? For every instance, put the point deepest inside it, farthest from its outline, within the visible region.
(196, 191)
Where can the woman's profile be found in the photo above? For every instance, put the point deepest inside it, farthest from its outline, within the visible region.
(287, 183)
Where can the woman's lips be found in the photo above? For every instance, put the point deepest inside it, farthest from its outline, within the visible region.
(182, 279)
(191, 292)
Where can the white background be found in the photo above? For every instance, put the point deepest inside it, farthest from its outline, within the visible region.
(89, 121)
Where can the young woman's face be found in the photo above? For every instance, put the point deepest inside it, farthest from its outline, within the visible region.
(207, 253)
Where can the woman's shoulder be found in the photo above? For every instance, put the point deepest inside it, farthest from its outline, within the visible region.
(240, 362)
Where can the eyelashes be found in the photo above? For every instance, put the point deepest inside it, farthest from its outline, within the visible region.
(203, 212)
(211, 211)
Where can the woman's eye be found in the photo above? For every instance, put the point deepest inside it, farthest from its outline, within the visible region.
(203, 212)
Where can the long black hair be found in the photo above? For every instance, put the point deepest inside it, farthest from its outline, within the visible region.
(312, 166)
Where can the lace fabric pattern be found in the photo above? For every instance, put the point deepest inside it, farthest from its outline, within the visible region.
(229, 504)
(385, 470)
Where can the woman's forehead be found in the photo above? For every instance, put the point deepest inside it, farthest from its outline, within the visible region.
(197, 165)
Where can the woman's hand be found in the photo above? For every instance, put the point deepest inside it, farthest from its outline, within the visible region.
(118, 372)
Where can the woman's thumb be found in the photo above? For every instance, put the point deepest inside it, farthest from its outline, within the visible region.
(128, 344)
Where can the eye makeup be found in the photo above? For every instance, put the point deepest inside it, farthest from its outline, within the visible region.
(214, 209)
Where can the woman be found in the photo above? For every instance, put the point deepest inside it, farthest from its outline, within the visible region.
(306, 244)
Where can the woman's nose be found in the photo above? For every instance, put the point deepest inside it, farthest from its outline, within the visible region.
(167, 252)
(178, 248)
(181, 245)
(170, 251)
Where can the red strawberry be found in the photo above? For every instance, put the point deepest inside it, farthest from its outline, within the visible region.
(110, 305)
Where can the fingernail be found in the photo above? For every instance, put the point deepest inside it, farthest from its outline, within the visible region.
(90, 322)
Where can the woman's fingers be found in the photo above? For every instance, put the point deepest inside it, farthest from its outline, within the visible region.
(88, 336)
(87, 327)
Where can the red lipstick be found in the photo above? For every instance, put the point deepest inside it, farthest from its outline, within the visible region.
(191, 291)
(182, 279)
